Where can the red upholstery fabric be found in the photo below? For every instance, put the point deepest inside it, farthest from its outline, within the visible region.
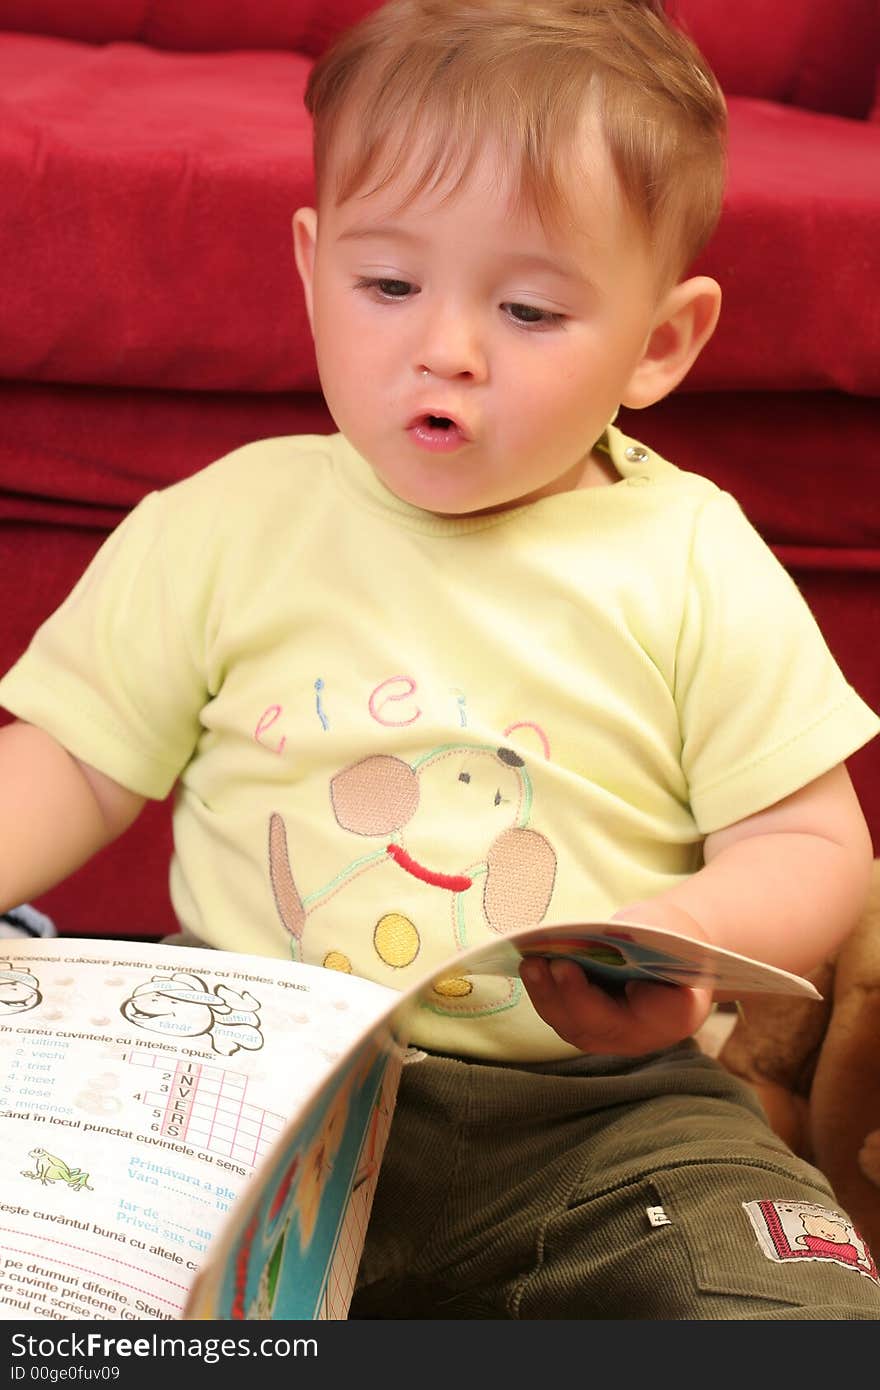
(818, 54)
(211, 153)
(98, 144)
(97, 452)
(304, 25)
(804, 465)
(797, 252)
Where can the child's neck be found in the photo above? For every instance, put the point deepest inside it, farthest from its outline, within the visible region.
(599, 470)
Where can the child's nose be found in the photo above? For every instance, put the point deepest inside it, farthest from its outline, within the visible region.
(453, 349)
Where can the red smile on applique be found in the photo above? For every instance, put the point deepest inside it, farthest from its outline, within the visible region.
(456, 883)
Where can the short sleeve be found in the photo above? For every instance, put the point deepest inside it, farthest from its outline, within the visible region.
(763, 706)
(112, 674)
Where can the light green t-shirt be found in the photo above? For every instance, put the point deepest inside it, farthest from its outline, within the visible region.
(394, 735)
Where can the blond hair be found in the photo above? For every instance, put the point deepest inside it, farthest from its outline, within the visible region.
(456, 72)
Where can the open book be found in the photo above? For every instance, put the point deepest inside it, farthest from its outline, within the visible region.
(194, 1134)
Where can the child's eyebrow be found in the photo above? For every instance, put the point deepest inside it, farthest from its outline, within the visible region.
(521, 260)
(533, 260)
(385, 229)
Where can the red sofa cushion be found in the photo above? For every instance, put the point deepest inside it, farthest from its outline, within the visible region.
(82, 456)
(797, 253)
(145, 236)
(212, 153)
(306, 25)
(819, 54)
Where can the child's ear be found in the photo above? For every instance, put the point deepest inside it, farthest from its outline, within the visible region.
(305, 238)
(684, 323)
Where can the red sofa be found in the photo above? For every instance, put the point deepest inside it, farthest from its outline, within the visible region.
(151, 156)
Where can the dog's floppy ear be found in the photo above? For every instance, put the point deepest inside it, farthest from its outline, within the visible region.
(521, 871)
(375, 796)
(286, 894)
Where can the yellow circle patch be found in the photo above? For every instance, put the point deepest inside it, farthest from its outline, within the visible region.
(337, 960)
(396, 940)
(453, 989)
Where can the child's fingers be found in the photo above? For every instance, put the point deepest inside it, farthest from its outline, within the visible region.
(581, 1012)
(646, 1018)
(675, 1012)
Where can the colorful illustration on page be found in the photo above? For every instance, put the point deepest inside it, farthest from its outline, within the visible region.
(281, 1262)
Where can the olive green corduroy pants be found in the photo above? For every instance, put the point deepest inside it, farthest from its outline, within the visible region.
(646, 1188)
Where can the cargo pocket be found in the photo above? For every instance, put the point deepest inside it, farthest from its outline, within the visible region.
(760, 1233)
(665, 1246)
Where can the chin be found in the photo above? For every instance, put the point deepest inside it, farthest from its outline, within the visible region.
(431, 499)
(454, 509)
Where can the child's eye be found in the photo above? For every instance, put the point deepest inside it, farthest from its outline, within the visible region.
(529, 316)
(386, 289)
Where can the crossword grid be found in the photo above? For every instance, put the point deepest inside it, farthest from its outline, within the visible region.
(207, 1107)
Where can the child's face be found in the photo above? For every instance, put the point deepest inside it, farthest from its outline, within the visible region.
(525, 339)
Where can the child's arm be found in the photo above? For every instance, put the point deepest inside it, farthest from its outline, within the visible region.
(55, 812)
(784, 886)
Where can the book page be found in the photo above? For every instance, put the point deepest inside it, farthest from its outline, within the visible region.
(292, 1245)
(614, 952)
(142, 1086)
(263, 1262)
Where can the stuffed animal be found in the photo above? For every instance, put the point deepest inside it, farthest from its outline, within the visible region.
(816, 1068)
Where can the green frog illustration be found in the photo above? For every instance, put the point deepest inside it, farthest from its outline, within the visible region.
(49, 1168)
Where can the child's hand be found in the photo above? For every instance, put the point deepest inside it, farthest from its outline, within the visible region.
(641, 1018)
(644, 1018)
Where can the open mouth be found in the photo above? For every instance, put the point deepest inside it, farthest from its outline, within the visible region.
(437, 432)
